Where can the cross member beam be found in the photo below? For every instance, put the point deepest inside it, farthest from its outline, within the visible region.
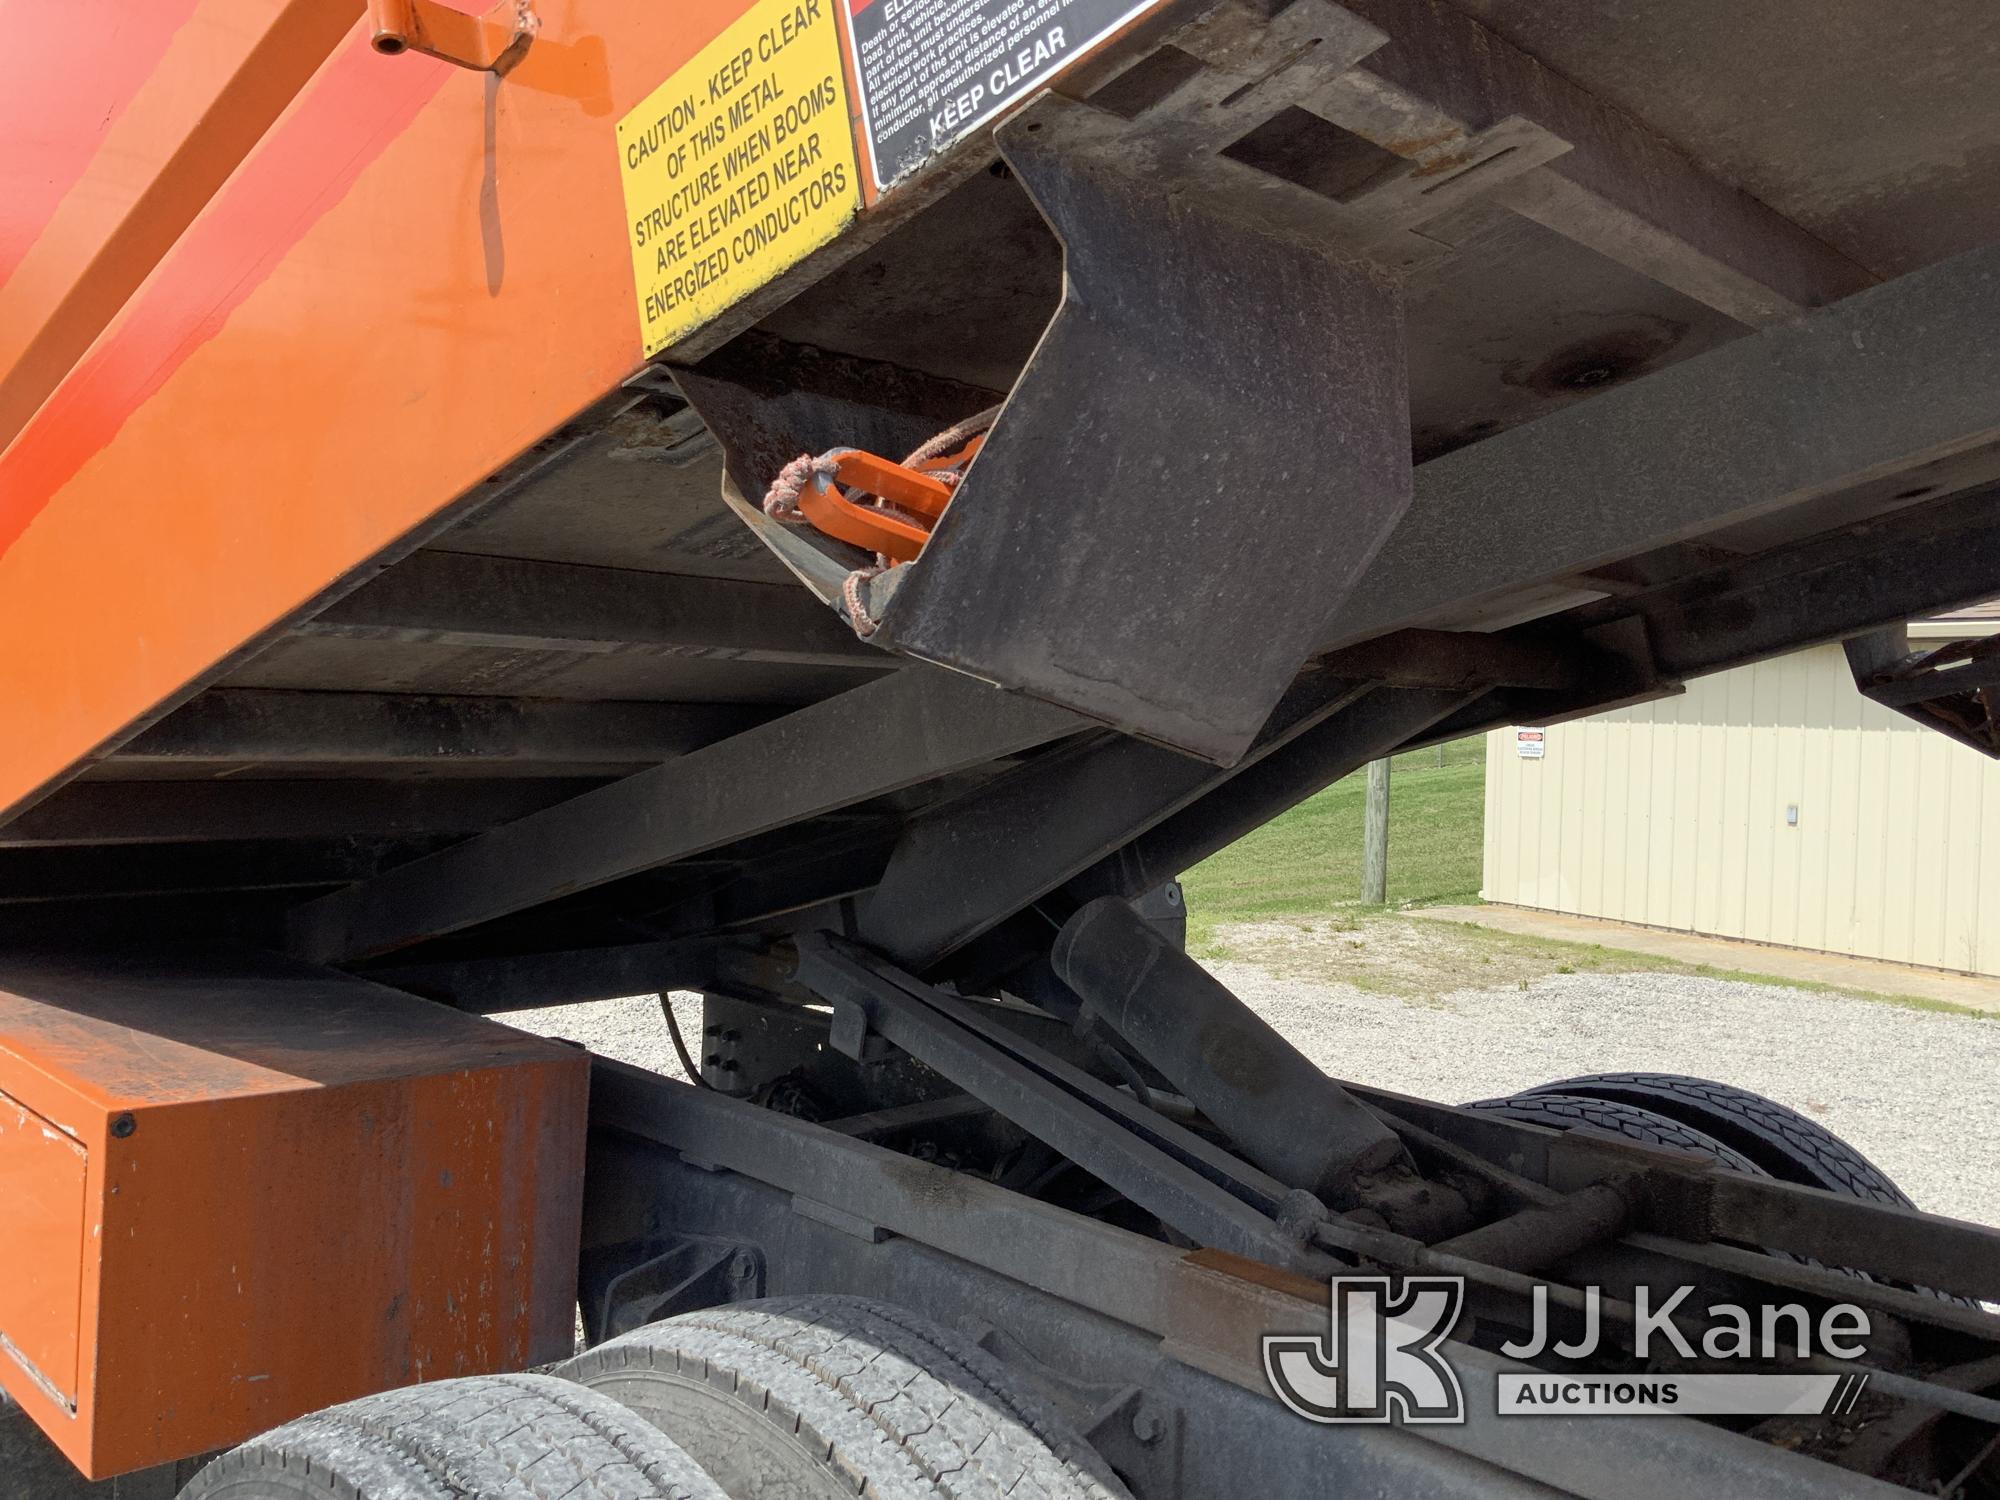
(266, 725)
(913, 726)
(1880, 384)
(465, 599)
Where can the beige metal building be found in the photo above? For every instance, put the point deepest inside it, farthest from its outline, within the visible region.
(1772, 803)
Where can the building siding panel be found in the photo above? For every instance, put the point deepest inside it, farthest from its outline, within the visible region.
(1674, 814)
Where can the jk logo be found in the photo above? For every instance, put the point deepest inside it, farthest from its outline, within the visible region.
(1380, 1359)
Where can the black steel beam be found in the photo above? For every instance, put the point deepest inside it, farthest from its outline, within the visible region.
(1460, 659)
(1377, 725)
(1113, 852)
(1851, 583)
(1062, 1107)
(1875, 657)
(1272, 1101)
(65, 874)
(1927, 687)
(815, 873)
(527, 981)
(1139, 859)
(875, 1124)
(913, 726)
(1950, 689)
(975, 861)
(167, 812)
(1622, 189)
(461, 599)
(1531, 706)
(264, 726)
(1877, 385)
(1896, 1243)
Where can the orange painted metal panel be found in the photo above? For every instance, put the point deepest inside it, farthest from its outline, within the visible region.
(42, 1184)
(297, 1188)
(417, 273)
(220, 82)
(54, 119)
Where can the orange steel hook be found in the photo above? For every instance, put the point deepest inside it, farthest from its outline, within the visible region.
(912, 500)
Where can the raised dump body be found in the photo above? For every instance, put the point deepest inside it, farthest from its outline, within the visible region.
(365, 522)
(596, 497)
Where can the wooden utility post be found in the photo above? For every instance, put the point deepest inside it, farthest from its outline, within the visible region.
(1375, 837)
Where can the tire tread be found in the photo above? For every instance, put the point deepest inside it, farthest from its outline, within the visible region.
(896, 1405)
(490, 1437)
(1785, 1143)
(1562, 1111)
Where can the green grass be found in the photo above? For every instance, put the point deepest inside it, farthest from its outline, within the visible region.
(1301, 872)
(1814, 986)
(1534, 956)
(1306, 863)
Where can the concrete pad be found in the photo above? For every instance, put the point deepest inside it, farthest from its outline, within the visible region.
(1797, 964)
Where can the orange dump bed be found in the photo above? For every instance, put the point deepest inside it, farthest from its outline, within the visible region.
(387, 390)
(389, 294)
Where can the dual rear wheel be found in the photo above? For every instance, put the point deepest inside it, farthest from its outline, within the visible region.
(1740, 1130)
(511, 1437)
(805, 1398)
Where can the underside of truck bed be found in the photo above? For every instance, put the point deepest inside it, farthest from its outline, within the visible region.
(1641, 455)
(1368, 376)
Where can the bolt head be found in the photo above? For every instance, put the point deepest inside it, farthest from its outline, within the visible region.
(1149, 1424)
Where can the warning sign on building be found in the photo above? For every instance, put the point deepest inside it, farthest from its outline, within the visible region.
(933, 71)
(738, 165)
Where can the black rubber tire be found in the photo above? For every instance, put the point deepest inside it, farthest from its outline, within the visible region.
(800, 1398)
(1568, 1111)
(493, 1437)
(1784, 1143)
(1839, 1167)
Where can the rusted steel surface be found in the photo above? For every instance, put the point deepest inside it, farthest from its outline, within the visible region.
(254, 1188)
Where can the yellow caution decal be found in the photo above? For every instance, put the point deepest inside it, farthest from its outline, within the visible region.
(737, 166)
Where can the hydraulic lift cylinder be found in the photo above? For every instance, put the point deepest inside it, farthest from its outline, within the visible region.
(1280, 1110)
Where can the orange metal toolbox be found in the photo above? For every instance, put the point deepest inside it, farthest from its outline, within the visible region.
(231, 1195)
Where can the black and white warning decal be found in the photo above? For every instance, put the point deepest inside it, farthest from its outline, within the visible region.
(933, 71)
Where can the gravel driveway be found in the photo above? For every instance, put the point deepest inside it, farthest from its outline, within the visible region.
(1917, 1092)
